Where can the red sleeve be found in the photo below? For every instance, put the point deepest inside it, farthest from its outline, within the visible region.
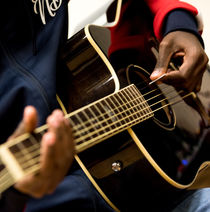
(132, 31)
(160, 8)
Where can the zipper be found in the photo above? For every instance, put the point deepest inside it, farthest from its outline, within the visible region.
(23, 71)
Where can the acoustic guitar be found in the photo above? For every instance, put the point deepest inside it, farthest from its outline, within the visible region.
(132, 135)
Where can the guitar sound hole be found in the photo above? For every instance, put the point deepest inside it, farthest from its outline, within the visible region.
(163, 113)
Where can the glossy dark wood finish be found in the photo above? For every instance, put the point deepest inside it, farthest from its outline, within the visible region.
(86, 77)
(175, 149)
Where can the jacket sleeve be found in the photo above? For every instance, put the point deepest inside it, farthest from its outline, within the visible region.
(161, 8)
(138, 18)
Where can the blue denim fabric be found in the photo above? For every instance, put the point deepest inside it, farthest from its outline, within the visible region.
(75, 193)
(199, 201)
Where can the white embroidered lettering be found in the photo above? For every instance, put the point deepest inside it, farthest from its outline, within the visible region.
(51, 5)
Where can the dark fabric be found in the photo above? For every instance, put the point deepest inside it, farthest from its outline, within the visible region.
(28, 59)
(181, 20)
(13, 201)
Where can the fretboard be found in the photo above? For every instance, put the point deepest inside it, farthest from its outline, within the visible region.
(108, 116)
(90, 125)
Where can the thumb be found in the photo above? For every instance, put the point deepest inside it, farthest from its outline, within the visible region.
(28, 122)
(163, 61)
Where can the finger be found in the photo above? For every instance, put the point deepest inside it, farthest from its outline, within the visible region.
(190, 73)
(58, 150)
(40, 184)
(164, 56)
(28, 122)
(198, 86)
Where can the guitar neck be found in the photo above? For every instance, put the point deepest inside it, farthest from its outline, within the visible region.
(108, 116)
(90, 125)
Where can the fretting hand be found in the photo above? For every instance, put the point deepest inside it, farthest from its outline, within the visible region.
(57, 151)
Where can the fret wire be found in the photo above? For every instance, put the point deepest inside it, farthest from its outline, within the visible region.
(121, 105)
(89, 121)
(84, 137)
(132, 104)
(127, 109)
(151, 114)
(5, 177)
(72, 123)
(111, 132)
(136, 93)
(137, 102)
(110, 114)
(35, 155)
(30, 149)
(95, 115)
(100, 116)
(32, 169)
(6, 180)
(37, 137)
(25, 153)
(42, 132)
(85, 129)
(115, 107)
(128, 123)
(26, 156)
(105, 110)
(144, 108)
(35, 160)
(75, 130)
(104, 118)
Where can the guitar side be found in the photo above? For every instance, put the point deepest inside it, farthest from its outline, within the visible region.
(109, 162)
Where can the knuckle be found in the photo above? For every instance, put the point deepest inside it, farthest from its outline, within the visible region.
(200, 55)
(164, 44)
(205, 59)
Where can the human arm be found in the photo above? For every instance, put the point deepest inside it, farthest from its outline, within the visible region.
(180, 38)
(131, 34)
(186, 46)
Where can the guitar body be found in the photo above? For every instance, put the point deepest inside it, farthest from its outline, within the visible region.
(159, 158)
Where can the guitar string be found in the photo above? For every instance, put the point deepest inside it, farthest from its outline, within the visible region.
(147, 100)
(155, 110)
(171, 90)
(6, 179)
(144, 117)
(10, 182)
(20, 154)
(128, 109)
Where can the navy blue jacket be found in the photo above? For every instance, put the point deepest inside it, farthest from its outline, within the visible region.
(28, 56)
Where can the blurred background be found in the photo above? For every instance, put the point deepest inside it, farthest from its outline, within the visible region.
(204, 8)
(83, 12)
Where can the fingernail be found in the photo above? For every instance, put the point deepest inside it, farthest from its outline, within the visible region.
(155, 73)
